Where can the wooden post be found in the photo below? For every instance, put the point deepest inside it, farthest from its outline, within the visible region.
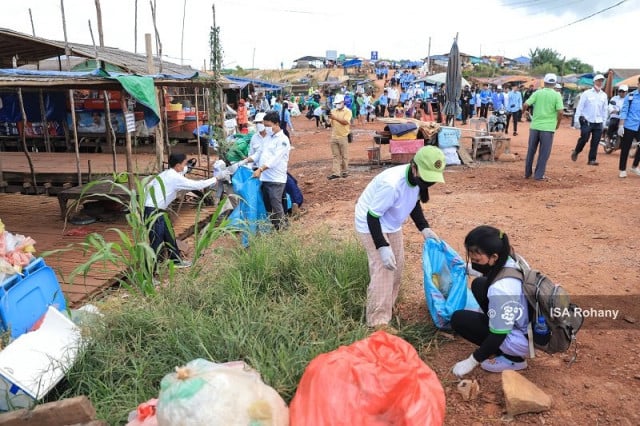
(33, 28)
(159, 139)
(158, 42)
(99, 18)
(45, 124)
(24, 141)
(72, 101)
(128, 153)
(198, 128)
(111, 134)
(135, 27)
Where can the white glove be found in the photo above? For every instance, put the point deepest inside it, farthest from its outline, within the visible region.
(233, 168)
(621, 131)
(388, 258)
(224, 175)
(243, 162)
(465, 367)
(428, 233)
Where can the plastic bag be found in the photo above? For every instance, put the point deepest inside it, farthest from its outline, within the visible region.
(251, 212)
(377, 381)
(445, 282)
(204, 393)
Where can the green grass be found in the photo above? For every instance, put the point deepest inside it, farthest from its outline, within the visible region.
(275, 305)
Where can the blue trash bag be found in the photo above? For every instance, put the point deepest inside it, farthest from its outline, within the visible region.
(250, 215)
(445, 282)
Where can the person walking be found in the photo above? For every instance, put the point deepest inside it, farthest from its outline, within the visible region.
(514, 109)
(591, 114)
(161, 191)
(382, 208)
(544, 123)
(628, 130)
(500, 330)
(340, 119)
(485, 100)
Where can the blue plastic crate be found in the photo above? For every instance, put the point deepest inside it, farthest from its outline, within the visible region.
(25, 297)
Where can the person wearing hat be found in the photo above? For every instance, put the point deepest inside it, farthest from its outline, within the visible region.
(614, 108)
(629, 129)
(258, 139)
(591, 114)
(382, 208)
(340, 120)
(545, 121)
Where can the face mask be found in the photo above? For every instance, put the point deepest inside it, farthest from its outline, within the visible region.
(484, 269)
(260, 127)
(339, 106)
(269, 130)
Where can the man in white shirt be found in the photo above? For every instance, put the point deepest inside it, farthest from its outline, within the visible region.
(272, 170)
(161, 192)
(590, 116)
(258, 139)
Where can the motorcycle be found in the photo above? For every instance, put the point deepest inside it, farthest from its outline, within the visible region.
(498, 121)
(612, 143)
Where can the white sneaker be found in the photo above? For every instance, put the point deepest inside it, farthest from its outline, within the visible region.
(635, 170)
(622, 174)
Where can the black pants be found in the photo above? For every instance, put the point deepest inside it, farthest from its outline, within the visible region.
(593, 130)
(474, 326)
(465, 113)
(612, 128)
(383, 108)
(516, 118)
(160, 236)
(484, 110)
(625, 147)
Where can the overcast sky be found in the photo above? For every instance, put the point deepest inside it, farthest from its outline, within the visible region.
(266, 34)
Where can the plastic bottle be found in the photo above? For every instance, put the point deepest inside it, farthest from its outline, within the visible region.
(541, 334)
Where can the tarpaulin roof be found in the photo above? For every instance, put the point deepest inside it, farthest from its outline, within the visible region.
(244, 81)
(351, 63)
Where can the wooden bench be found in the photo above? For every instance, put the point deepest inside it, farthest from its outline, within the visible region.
(100, 191)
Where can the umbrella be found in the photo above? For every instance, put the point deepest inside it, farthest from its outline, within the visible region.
(453, 87)
(632, 81)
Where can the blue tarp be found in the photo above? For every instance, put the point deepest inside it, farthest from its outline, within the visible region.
(351, 63)
(257, 83)
(38, 73)
(400, 129)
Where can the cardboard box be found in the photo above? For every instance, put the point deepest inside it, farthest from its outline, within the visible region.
(36, 361)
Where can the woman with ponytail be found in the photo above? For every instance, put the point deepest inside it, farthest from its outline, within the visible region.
(500, 330)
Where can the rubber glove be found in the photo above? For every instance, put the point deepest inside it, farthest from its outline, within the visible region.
(224, 175)
(621, 131)
(465, 367)
(428, 233)
(233, 168)
(388, 258)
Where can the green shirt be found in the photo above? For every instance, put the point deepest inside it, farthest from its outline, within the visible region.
(547, 102)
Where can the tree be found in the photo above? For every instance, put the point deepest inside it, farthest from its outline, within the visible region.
(575, 66)
(545, 56)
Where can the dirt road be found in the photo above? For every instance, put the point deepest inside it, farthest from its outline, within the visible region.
(578, 227)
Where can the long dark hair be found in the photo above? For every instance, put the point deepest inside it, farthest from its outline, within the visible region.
(489, 240)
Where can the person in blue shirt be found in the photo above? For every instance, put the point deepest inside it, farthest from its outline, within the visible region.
(383, 102)
(629, 129)
(497, 99)
(514, 109)
(485, 100)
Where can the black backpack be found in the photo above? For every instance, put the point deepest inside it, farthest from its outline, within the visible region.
(550, 300)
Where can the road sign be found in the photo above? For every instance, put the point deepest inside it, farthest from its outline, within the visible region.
(374, 55)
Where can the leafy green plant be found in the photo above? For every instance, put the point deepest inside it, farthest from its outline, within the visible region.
(276, 305)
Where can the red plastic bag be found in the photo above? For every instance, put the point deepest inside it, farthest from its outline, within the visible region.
(376, 381)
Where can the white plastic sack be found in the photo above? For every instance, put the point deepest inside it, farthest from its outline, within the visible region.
(204, 393)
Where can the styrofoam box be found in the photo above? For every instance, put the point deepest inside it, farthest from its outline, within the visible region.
(35, 362)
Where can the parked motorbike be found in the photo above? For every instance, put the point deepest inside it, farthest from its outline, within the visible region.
(498, 121)
(610, 144)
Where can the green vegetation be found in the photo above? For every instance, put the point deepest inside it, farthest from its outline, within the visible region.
(548, 60)
(276, 305)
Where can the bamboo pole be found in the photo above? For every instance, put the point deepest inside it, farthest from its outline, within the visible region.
(184, 13)
(45, 123)
(159, 139)
(24, 141)
(155, 28)
(111, 134)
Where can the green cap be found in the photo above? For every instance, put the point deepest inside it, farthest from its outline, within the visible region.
(430, 162)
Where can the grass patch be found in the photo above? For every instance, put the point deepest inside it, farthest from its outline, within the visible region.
(276, 305)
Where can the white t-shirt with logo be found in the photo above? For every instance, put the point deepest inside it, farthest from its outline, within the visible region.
(390, 197)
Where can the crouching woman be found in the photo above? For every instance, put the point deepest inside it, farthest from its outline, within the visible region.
(500, 330)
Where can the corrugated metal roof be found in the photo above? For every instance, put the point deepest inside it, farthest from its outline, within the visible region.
(28, 49)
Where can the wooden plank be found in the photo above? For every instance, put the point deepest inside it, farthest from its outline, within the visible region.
(38, 216)
(78, 410)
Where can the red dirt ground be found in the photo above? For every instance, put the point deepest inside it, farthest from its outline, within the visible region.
(577, 227)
